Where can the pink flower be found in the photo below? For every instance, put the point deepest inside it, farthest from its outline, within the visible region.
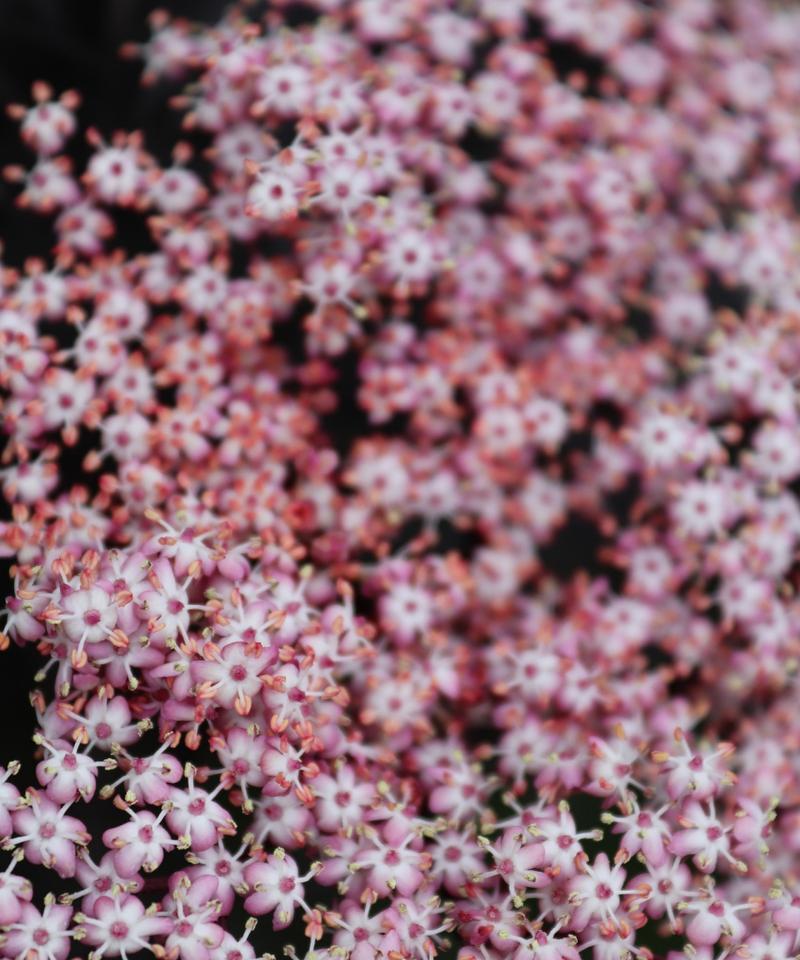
(712, 921)
(48, 836)
(121, 925)
(15, 891)
(66, 773)
(195, 818)
(341, 801)
(643, 831)
(40, 935)
(703, 836)
(276, 887)
(192, 927)
(140, 844)
(9, 797)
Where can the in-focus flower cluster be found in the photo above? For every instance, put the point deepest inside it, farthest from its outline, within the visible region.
(428, 581)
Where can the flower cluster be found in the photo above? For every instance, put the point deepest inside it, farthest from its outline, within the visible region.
(409, 528)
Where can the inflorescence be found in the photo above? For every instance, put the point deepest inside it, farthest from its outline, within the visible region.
(428, 580)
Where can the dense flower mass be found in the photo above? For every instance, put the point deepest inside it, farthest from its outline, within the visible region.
(409, 525)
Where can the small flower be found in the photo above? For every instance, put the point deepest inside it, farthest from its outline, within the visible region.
(40, 936)
(195, 818)
(120, 925)
(47, 835)
(140, 844)
(276, 887)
